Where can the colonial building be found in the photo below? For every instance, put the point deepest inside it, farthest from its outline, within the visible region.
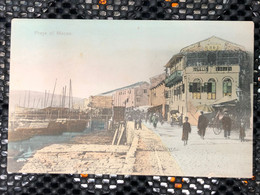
(209, 72)
(132, 96)
(156, 95)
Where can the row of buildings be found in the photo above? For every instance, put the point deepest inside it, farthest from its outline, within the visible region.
(131, 96)
(210, 73)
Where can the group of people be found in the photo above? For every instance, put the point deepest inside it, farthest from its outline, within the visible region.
(203, 123)
(154, 118)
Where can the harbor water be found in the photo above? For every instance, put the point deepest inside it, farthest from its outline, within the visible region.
(22, 150)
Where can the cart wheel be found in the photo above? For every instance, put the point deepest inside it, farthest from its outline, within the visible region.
(216, 130)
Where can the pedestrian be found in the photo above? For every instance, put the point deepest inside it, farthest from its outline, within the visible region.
(226, 124)
(185, 131)
(140, 123)
(202, 124)
(151, 118)
(155, 120)
(135, 121)
(242, 133)
(180, 120)
(172, 121)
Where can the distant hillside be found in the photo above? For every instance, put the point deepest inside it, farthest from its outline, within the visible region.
(35, 99)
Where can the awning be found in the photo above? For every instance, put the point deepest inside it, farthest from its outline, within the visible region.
(205, 108)
(225, 101)
(143, 108)
(155, 108)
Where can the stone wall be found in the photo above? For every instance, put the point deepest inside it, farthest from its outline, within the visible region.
(130, 132)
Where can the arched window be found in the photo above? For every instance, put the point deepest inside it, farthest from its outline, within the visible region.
(211, 89)
(196, 89)
(227, 87)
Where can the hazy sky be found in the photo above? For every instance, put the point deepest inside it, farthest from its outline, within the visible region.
(99, 55)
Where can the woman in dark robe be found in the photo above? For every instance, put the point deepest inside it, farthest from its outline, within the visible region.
(242, 132)
(185, 131)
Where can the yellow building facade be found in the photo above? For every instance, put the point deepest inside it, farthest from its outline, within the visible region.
(205, 73)
(156, 95)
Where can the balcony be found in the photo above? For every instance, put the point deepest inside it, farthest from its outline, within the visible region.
(174, 78)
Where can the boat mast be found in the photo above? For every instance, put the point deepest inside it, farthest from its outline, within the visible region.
(24, 99)
(33, 102)
(53, 92)
(52, 98)
(19, 101)
(37, 106)
(71, 94)
(29, 100)
(65, 96)
(47, 98)
(69, 99)
(44, 103)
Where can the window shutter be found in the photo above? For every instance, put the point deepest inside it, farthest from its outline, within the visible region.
(209, 89)
(229, 87)
(195, 87)
(165, 94)
(183, 89)
(214, 87)
(205, 88)
(225, 87)
(190, 87)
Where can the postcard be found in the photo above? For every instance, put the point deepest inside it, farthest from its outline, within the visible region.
(171, 98)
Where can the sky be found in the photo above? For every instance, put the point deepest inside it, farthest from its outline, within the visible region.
(102, 55)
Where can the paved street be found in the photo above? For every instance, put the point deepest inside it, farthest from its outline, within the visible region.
(213, 156)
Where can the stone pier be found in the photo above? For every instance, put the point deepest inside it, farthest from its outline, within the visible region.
(143, 155)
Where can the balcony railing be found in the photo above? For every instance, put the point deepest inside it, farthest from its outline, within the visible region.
(173, 78)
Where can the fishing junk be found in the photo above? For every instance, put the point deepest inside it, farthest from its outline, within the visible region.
(26, 122)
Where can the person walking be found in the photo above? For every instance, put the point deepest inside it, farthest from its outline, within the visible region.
(226, 124)
(202, 124)
(185, 131)
(140, 123)
(242, 133)
(151, 118)
(135, 124)
(180, 120)
(155, 120)
(172, 121)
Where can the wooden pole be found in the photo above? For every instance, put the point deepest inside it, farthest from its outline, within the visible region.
(29, 100)
(65, 96)
(44, 103)
(53, 92)
(24, 99)
(47, 98)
